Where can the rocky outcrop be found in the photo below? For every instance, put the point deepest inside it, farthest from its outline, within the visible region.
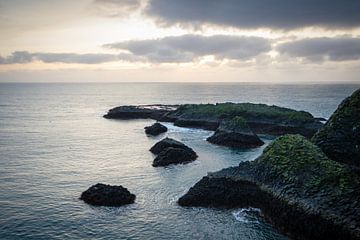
(261, 118)
(171, 151)
(166, 143)
(172, 155)
(235, 133)
(156, 112)
(340, 137)
(107, 195)
(155, 129)
(298, 188)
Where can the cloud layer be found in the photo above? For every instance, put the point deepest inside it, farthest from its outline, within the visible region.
(192, 48)
(323, 49)
(278, 14)
(90, 58)
(187, 48)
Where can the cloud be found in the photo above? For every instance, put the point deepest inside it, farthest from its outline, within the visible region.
(115, 8)
(89, 58)
(323, 49)
(277, 14)
(187, 48)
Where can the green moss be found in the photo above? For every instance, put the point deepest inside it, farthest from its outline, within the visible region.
(234, 124)
(246, 110)
(295, 160)
(339, 137)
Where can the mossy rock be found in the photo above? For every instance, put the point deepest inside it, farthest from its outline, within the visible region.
(236, 124)
(245, 110)
(293, 160)
(235, 133)
(298, 188)
(339, 138)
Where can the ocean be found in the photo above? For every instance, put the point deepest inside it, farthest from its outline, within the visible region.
(54, 144)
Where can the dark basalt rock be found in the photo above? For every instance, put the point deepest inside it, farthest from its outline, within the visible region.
(157, 112)
(235, 133)
(261, 118)
(155, 129)
(107, 195)
(166, 143)
(340, 137)
(299, 190)
(172, 155)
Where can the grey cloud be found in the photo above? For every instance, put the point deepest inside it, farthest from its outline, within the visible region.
(278, 14)
(90, 58)
(322, 49)
(187, 48)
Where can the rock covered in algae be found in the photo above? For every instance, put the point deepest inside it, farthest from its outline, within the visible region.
(235, 133)
(339, 138)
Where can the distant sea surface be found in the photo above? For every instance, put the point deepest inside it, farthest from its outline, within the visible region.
(54, 144)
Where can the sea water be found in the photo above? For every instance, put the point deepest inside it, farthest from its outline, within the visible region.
(54, 144)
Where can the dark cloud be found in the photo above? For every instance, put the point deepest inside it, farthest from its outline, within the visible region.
(90, 58)
(323, 49)
(187, 48)
(279, 14)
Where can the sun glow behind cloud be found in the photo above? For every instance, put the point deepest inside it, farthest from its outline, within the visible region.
(76, 36)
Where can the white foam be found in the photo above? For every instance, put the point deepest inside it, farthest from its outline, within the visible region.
(247, 215)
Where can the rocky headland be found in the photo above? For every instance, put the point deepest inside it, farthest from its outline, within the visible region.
(306, 190)
(299, 190)
(340, 137)
(261, 118)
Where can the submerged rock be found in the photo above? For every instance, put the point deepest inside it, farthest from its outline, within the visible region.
(172, 155)
(107, 195)
(340, 137)
(235, 133)
(155, 129)
(297, 187)
(168, 142)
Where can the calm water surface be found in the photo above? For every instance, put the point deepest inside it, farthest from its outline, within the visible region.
(54, 144)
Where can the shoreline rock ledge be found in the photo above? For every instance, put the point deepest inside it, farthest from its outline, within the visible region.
(235, 133)
(106, 195)
(170, 151)
(298, 188)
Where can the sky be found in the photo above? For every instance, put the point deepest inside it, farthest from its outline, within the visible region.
(297, 41)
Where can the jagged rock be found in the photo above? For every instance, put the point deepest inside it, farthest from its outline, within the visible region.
(155, 129)
(172, 155)
(340, 137)
(235, 133)
(298, 188)
(107, 195)
(168, 142)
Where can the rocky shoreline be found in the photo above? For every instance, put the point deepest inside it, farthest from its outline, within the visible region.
(305, 189)
(306, 182)
(315, 198)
